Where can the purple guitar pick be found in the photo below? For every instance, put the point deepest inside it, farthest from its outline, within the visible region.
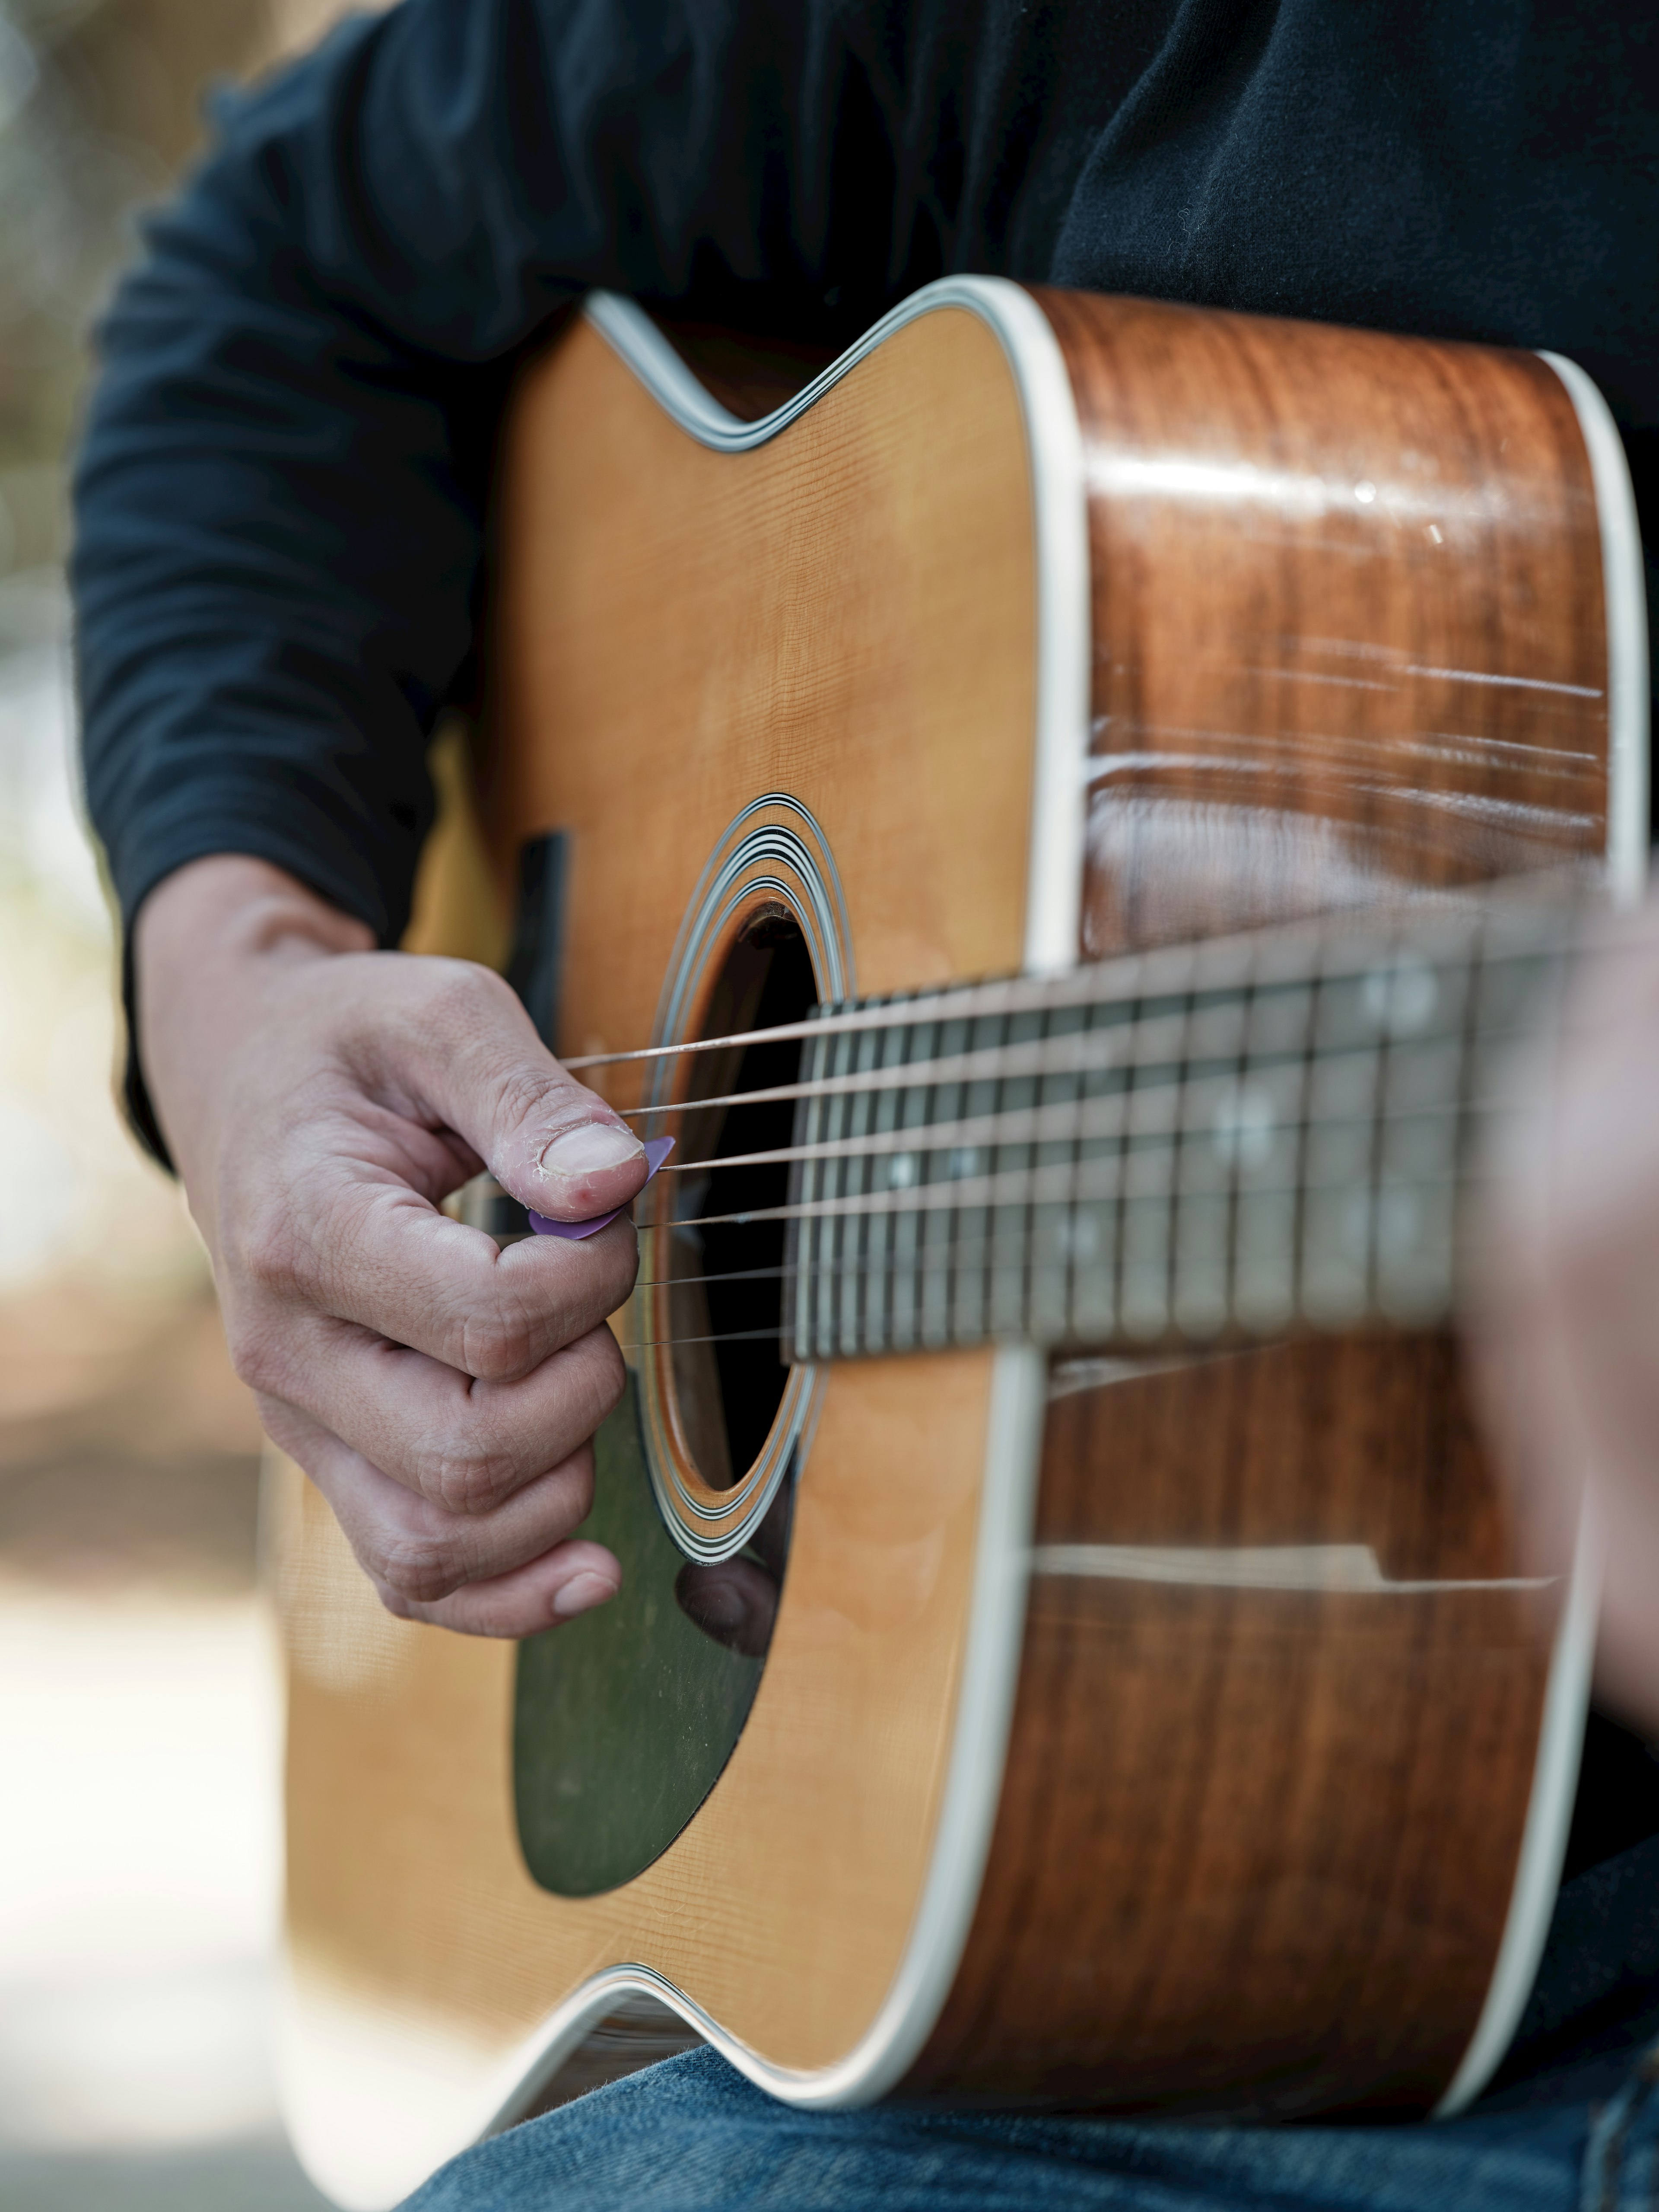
(656, 1152)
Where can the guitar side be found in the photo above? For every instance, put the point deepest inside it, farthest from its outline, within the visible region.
(1330, 1835)
(1068, 1832)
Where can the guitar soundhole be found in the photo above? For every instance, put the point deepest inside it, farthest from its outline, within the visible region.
(728, 1302)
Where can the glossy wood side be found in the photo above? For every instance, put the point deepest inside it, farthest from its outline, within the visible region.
(1256, 1848)
(847, 615)
(1348, 626)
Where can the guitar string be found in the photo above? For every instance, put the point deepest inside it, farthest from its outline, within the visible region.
(1189, 971)
(985, 1063)
(1071, 1121)
(1050, 1183)
(1076, 1051)
(1047, 993)
(952, 1252)
(948, 1257)
(1089, 1120)
(1009, 1187)
(1079, 1120)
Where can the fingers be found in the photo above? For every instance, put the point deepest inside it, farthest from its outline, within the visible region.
(573, 1580)
(511, 1573)
(376, 1252)
(322, 1098)
(431, 1066)
(464, 1054)
(1564, 1325)
(466, 1446)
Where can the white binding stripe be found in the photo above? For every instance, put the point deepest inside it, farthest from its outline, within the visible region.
(1624, 594)
(1019, 1377)
(1544, 1839)
(1555, 1776)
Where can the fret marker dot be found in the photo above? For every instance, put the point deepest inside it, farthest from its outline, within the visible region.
(1400, 999)
(1245, 1127)
(1079, 1238)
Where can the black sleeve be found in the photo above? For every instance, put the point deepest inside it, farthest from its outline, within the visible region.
(279, 496)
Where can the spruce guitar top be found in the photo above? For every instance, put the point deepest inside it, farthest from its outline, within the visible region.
(1019, 814)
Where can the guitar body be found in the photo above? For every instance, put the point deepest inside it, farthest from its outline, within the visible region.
(1083, 1765)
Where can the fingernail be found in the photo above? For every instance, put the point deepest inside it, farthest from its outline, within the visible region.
(590, 1146)
(581, 1594)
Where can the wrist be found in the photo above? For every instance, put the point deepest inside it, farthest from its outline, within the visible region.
(210, 945)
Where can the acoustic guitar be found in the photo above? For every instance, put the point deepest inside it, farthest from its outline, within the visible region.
(1020, 810)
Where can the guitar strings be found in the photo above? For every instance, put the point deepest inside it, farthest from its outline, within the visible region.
(1089, 1120)
(992, 1063)
(1011, 1184)
(1075, 1052)
(987, 1252)
(1165, 972)
(1163, 998)
(953, 1251)
(1054, 1184)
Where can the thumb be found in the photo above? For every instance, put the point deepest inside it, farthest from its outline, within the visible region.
(548, 1140)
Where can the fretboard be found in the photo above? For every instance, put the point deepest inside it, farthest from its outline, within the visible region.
(1237, 1140)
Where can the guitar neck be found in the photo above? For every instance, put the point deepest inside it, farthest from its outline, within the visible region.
(1231, 1141)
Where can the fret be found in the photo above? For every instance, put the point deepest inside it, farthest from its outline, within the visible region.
(1011, 1223)
(935, 1295)
(1275, 1137)
(1222, 1130)
(1060, 1097)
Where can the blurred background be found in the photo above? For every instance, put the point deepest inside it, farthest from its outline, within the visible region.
(139, 1848)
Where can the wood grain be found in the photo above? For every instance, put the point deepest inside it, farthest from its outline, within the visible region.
(1348, 628)
(847, 615)
(1255, 1849)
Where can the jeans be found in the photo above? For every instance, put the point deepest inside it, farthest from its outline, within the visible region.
(691, 2135)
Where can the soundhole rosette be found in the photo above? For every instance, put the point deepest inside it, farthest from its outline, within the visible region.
(723, 1418)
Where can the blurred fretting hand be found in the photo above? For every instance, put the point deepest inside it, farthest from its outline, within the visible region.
(1566, 1320)
(320, 1099)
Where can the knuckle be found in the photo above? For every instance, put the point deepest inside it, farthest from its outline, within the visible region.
(579, 1476)
(417, 1569)
(619, 1264)
(256, 1355)
(596, 1359)
(467, 1478)
(448, 987)
(286, 1429)
(521, 1089)
(497, 1347)
(458, 998)
(608, 1373)
(267, 1253)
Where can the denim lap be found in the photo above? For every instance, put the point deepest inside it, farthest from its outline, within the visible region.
(691, 2135)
